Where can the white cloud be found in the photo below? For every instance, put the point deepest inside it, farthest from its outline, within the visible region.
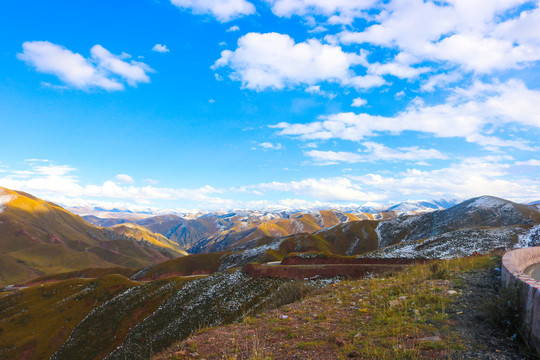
(440, 80)
(222, 10)
(270, 146)
(331, 189)
(102, 70)
(132, 73)
(316, 89)
(53, 181)
(471, 114)
(37, 160)
(273, 60)
(531, 162)
(399, 67)
(468, 178)
(340, 11)
(71, 68)
(123, 178)
(376, 152)
(233, 28)
(471, 34)
(160, 48)
(333, 157)
(359, 102)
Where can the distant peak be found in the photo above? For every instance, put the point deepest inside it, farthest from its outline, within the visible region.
(487, 202)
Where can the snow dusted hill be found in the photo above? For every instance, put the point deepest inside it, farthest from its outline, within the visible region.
(536, 205)
(481, 211)
(411, 207)
(478, 225)
(406, 222)
(462, 242)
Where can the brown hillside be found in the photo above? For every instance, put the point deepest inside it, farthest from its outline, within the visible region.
(39, 237)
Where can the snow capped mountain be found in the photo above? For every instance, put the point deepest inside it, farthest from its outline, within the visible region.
(422, 206)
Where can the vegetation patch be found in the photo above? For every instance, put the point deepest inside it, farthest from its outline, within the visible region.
(407, 315)
(35, 321)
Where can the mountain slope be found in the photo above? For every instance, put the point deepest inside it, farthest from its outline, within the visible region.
(482, 211)
(151, 239)
(43, 238)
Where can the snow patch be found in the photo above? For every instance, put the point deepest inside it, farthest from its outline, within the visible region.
(5, 199)
(488, 202)
(463, 242)
(532, 238)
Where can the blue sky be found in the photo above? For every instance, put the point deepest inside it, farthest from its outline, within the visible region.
(208, 104)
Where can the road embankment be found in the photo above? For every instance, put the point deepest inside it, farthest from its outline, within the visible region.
(514, 265)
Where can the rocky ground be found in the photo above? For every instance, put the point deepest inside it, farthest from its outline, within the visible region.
(483, 340)
(433, 314)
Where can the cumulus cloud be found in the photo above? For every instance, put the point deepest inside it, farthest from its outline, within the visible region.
(471, 34)
(471, 113)
(469, 177)
(359, 102)
(273, 60)
(400, 66)
(54, 181)
(103, 70)
(222, 10)
(339, 11)
(160, 48)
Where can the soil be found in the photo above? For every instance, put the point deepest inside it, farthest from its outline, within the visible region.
(483, 340)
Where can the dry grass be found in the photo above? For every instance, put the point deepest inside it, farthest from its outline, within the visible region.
(399, 316)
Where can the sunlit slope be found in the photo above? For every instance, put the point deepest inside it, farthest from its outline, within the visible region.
(216, 232)
(352, 238)
(241, 233)
(144, 235)
(43, 238)
(38, 320)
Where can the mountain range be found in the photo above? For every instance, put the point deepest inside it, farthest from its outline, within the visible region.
(129, 284)
(38, 238)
